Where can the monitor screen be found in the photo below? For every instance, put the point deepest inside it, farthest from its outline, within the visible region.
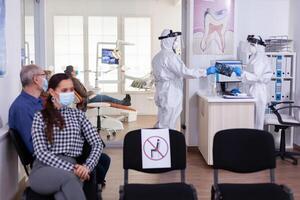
(108, 58)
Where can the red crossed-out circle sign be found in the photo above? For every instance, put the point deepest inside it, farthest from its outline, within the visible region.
(150, 146)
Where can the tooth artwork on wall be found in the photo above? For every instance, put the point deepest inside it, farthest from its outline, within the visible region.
(2, 39)
(213, 29)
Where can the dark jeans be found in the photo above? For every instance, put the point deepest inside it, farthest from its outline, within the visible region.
(105, 98)
(102, 167)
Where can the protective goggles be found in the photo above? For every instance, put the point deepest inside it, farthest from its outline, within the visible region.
(252, 39)
(171, 34)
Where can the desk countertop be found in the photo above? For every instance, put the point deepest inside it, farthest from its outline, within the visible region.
(220, 99)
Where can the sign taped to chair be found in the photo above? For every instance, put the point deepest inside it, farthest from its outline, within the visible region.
(155, 148)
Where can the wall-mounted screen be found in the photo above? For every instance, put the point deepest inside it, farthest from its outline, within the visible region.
(108, 57)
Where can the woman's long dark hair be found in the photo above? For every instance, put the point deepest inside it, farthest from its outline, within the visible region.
(50, 114)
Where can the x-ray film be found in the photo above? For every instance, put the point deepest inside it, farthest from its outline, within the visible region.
(224, 69)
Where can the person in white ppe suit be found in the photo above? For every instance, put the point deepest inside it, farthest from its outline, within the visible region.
(258, 76)
(169, 71)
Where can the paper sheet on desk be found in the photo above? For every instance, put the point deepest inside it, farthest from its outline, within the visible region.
(236, 97)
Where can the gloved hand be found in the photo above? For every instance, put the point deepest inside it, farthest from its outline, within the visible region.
(235, 91)
(211, 70)
(237, 71)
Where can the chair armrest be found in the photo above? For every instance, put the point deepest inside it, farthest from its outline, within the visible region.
(288, 107)
(278, 115)
(274, 103)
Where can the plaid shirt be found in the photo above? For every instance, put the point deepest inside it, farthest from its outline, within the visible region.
(68, 141)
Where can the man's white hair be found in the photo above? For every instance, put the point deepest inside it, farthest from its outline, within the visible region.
(27, 73)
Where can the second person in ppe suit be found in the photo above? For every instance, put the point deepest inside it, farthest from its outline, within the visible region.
(258, 75)
(169, 71)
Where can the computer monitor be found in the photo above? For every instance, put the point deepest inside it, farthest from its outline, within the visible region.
(108, 58)
(233, 78)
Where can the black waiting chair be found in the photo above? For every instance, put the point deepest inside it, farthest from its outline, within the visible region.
(282, 118)
(90, 187)
(132, 159)
(26, 159)
(246, 151)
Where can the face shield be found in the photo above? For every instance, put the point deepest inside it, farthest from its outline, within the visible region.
(178, 45)
(254, 41)
(252, 48)
(177, 42)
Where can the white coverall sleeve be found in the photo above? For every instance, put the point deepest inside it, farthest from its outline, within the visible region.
(249, 77)
(265, 77)
(179, 68)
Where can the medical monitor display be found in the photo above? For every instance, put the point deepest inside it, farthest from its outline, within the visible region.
(108, 58)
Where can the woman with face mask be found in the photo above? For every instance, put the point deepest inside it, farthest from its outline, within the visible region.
(58, 134)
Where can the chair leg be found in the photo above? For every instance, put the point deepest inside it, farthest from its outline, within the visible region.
(98, 120)
(282, 149)
(291, 156)
(212, 193)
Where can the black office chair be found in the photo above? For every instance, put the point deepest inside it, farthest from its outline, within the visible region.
(246, 151)
(282, 122)
(132, 159)
(89, 187)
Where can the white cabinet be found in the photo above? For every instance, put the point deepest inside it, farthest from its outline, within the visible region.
(215, 114)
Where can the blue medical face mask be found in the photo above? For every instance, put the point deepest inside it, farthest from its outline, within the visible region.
(66, 98)
(45, 85)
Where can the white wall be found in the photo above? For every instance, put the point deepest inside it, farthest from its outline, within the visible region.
(263, 17)
(9, 89)
(163, 13)
(295, 35)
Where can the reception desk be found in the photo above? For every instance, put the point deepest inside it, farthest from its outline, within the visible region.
(217, 113)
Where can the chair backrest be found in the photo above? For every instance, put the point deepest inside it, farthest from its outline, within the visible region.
(132, 152)
(243, 150)
(24, 155)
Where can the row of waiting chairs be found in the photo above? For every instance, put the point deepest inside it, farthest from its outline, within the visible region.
(236, 150)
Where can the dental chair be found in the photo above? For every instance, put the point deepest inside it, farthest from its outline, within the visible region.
(283, 118)
(111, 125)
